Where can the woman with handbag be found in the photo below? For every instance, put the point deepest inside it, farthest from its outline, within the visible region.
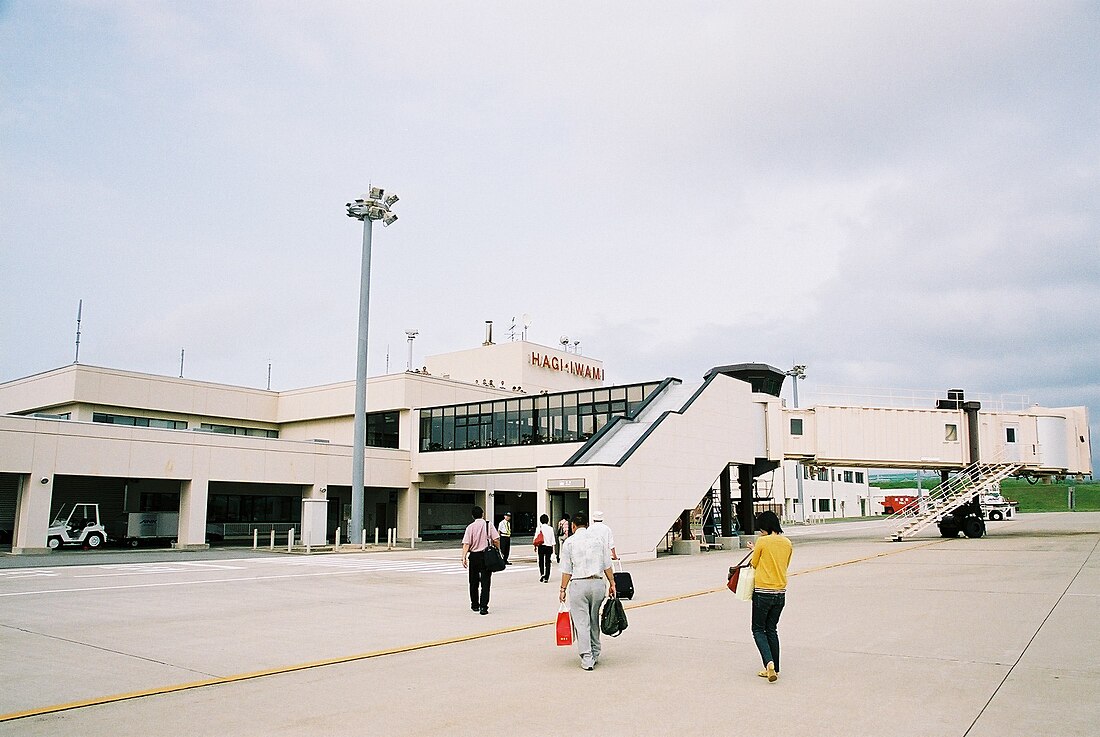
(564, 530)
(476, 540)
(544, 546)
(771, 555)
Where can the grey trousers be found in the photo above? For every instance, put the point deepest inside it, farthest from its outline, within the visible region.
(585, 597)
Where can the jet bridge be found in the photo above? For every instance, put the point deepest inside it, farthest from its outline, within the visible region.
(644, 469)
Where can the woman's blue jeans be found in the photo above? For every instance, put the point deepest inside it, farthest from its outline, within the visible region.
(766, 608)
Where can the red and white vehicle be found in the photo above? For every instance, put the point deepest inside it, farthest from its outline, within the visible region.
(895, 503)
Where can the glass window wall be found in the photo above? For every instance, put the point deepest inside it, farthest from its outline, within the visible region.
(547, 418)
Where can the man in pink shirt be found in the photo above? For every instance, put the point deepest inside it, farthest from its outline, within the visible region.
(478, 537)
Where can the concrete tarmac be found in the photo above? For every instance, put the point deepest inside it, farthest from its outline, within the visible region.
(976, 638)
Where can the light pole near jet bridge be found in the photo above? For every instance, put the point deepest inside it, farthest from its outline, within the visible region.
(796, 373)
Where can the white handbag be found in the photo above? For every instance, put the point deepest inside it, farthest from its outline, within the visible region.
(746, 583)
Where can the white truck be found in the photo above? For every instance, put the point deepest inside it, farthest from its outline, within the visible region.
(76, 524)
(996, 507)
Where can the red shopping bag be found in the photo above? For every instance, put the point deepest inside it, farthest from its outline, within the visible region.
(565, 627)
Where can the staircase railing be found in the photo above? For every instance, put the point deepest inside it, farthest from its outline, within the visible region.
(973, 480)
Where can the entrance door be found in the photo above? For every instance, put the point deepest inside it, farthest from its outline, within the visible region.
(567, 503)
(1012, 442)
(382, 517)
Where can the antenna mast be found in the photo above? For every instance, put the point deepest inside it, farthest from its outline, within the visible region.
(79, 310)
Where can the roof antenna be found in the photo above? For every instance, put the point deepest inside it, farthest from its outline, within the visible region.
(181, 363)
(79, 309)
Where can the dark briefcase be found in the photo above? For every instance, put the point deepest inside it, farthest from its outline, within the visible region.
(624, 584)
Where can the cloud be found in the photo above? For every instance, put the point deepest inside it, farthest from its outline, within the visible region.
(898, 194)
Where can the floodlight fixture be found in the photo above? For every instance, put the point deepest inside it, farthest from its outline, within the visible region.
(376, 193)
(389, 219)
(391, 200)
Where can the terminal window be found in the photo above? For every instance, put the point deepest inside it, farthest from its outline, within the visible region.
(255, 432)
(796, 426)
(951, 432)
(565, 417)
(138, 421)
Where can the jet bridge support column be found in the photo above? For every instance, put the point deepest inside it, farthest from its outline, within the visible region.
(745, 517)
(726, 502)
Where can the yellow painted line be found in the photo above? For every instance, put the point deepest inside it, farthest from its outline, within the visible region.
(160, 690)
(803, 572)
(99, 700)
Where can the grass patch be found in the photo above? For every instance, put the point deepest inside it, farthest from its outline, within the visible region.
(1032, 497)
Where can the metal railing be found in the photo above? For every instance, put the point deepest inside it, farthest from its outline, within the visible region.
(971, 481)
(850, 396)
(244, 530)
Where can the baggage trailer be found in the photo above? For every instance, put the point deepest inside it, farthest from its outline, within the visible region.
(144, 528)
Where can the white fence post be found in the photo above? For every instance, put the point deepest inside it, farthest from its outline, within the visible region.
(255, 538)
(336, 545)
(272, 538)
(290, 540)
(364, 545)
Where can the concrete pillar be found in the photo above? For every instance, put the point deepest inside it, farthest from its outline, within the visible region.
(490, 500)
(408, 512)
(32, 513)
(745, 514)
(193, 500)
(726, 502)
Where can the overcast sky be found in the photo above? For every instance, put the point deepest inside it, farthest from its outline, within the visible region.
(895, 194)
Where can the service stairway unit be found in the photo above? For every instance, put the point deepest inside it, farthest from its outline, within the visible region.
(952, 504)
(643, 471)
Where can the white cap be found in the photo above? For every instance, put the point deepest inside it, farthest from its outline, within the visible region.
(597, 516)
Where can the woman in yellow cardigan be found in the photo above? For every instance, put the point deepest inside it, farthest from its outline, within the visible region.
(770, 557)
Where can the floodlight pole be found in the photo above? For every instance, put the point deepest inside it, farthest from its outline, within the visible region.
(359, 433)
(796, 373)
(368, 208)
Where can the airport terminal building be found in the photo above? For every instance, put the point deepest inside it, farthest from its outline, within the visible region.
(515, 427)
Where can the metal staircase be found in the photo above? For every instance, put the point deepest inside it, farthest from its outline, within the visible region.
(975, 479)
(710, 509)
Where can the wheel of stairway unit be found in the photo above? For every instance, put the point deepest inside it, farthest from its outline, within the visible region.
(974, 527)
(949, 527)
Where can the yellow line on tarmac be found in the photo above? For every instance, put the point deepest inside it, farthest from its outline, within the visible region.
(99, 700)
(826, 567)
(160, 690)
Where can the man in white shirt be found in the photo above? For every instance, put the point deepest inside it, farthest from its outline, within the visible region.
(603, 532)
(585, 562)
(505, 531)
